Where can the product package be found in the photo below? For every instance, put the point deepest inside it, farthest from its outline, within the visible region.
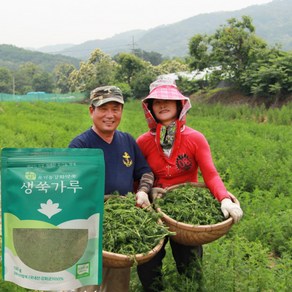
(52, 213)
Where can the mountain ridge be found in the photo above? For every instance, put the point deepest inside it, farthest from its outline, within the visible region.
(271, 20)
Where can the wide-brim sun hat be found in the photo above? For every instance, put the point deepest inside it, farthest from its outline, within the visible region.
(165, 89)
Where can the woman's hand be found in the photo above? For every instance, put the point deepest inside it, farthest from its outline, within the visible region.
(231, 209)
(157, 193)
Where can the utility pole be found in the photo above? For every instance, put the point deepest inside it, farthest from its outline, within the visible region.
(133, 44)
(13, 85)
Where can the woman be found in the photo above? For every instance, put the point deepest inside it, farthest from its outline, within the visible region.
(175, 153)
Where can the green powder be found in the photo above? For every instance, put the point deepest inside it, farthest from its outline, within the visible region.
(49, 250)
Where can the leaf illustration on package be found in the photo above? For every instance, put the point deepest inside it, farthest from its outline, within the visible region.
(49, 209)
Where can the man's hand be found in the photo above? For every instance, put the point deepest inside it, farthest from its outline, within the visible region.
(157, 193)
(231, 209)
(142, 199)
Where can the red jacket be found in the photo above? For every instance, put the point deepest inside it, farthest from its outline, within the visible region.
(190, 152)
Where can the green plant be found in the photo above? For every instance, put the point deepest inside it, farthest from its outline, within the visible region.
(191, 205)
(130, 230)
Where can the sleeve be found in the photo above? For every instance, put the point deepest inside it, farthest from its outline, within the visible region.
(210, 175)
(146, 182)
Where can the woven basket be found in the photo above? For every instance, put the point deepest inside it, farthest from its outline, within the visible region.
(115, 260)
(193, 235)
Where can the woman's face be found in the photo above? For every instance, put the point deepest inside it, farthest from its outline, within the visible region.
(165, 111)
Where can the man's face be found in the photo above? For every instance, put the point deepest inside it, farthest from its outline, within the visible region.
(106, 118)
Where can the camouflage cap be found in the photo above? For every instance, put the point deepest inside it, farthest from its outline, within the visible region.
(104, 94)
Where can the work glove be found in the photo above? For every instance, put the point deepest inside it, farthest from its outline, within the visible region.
(229, 208)
(142, 199)
(157, 193)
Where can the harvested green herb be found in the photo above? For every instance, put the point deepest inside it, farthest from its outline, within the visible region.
(130, 230)
(191, 205)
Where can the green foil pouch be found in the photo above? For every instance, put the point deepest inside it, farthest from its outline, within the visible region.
(52, 211)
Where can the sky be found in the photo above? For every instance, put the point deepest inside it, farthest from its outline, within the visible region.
(38, 23)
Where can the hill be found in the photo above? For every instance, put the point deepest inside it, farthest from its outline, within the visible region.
(272, 22)
(11, 57)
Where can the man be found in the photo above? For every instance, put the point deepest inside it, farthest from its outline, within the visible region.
(124, 165)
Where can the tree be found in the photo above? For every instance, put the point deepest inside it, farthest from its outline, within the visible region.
(43, 81)
(172, 66)
(153, 57)
(61, 74)
(6, 80)
(140, 84)
(269, 75)
(97, 71)
(233, 45)
(236, 54)
(230, 49)
(129, 65)
(24, 77)
(199, 55)
(82, 79)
